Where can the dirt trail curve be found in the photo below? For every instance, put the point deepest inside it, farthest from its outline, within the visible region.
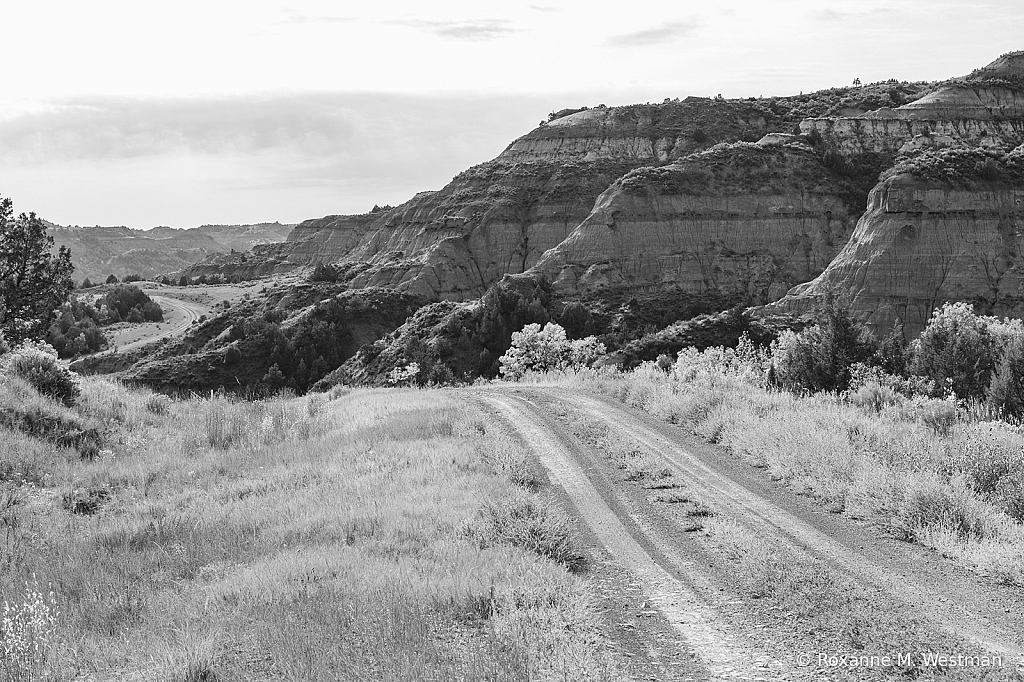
(938, 590)
(179, 314)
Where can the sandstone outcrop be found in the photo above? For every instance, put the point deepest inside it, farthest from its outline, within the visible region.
(745, 219)
(942, 226)
(499, 217)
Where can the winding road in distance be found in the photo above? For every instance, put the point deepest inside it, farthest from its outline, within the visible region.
(180, 315)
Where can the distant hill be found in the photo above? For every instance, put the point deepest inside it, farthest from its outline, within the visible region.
(101, 251)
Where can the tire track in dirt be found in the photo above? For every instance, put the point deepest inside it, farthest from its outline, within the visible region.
(986, 614)
(726, 654)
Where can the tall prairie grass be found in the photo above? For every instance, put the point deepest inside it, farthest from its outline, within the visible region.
(297, 539)
(923, 469)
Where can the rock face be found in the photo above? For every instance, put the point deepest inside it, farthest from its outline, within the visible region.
(745, 220)
(499, 217)
(646, 133)
(985, 108)
(943, 223)
(928, 238)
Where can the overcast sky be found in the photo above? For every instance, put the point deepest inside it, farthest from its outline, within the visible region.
(183, 113)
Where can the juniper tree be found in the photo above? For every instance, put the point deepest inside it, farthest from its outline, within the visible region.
(34, 281)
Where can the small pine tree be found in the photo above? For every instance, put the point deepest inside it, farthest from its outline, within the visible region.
(1006, 390)
(112, 279)
(274, 379)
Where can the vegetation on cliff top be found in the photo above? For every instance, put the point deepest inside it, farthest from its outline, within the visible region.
(962, 167)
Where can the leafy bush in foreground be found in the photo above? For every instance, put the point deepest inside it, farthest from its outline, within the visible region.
(37, 363)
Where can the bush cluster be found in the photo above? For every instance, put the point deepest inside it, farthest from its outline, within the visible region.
(129, 303)
(961, 355)
(75, 329)
(36, 363)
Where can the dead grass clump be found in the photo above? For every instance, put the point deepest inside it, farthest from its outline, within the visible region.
(874, 397)
(158, 404)
(524, 520)
(509, 459)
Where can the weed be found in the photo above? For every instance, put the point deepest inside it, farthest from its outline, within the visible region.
(28, 633)
(158, 404)
(524, 520)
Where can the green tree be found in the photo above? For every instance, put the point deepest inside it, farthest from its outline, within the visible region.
(957, 350)
(819, 357)
(33, 280)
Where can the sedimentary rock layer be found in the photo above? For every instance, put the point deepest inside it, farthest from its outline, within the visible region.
(746, 219)
(922, 243)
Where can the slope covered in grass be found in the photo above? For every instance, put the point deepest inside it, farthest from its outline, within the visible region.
(371, 535)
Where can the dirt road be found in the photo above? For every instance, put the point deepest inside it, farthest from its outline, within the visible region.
(178, 316)
(687, 592)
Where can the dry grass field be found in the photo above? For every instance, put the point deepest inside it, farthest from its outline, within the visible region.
(392, 535)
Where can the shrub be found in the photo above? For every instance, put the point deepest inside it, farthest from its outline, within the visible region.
(820, 357)
(956, 349)
(1006, 389)
(874, 397)
(232, 355)
(1009, 494)
(152, 312)
(158, 404)
(547, 349)
(37, 364)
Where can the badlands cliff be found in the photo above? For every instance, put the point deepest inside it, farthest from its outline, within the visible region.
(500, 217)
(750, 220)
(741, 199)
(942, 226)
(943, 223)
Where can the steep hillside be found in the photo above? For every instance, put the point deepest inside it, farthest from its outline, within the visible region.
(943, 225)
(749, 220)
(290, 338)
(499, 217)
(101, 251)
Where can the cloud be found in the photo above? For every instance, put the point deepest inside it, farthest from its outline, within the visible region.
(833, 15)
(286, 140)
(543, 8)
(664, 33)
(483, 29)
(294, 17)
